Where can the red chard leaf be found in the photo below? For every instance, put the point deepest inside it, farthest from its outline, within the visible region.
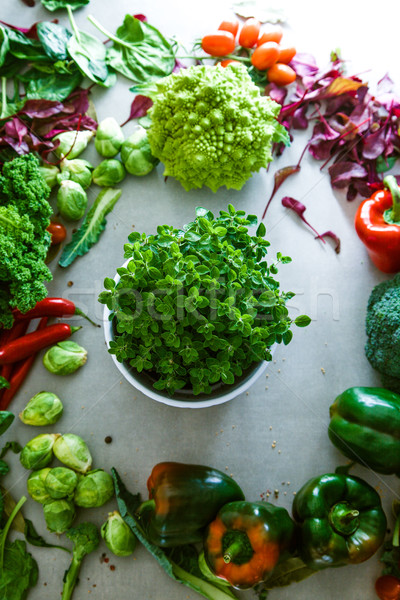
(280, 176)
(139, 108)
(334, 237)
(299, 209)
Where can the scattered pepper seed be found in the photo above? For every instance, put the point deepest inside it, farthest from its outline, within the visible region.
(70, 283)
(270, 427)
(108, 439)
(112, 567)
(279, 370)
(322, 370)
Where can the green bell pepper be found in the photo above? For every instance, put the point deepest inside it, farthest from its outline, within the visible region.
(341, 521)
(183, 500)
(365, 427)
(246, 540)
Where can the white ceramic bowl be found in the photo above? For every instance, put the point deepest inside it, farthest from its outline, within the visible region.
(182, 398)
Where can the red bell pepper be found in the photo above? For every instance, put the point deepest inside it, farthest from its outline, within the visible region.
(377, 223)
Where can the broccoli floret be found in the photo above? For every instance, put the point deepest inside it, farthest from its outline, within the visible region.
(24, 241)
(383, 330)
(86, 539)
(211, 126)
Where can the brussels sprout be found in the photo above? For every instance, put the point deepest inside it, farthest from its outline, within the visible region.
(59, 515)
(64, 358)
(72, 143)
(71, 200)
(109, 138)
(95, 489)
(61, 482)
(118, 537)
(136, 154)
(72, 450)
(109, 172)
(35, 486)
(77, 170)
(45, 408)
(49, 174)
(39, 451)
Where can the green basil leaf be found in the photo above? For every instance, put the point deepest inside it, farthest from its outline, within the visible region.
(302, 321)
(94, 223)
(6, 418)
(140, 52)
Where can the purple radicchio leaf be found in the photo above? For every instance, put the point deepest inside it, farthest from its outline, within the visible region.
(300, 209)
(276, 92)
(342, 173)
(139, 108)
(334, 237)
(280, 176)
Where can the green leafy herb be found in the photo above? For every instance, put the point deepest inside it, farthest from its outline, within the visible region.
(290, 571)
(34, 538)
(89, 54)
(4, 383)
(200, 305)
(94, 223)
(180, 565)
(6, 419)
(15, 447)
(140, 52)
(53, 5)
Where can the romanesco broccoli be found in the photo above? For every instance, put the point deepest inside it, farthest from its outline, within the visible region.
(383, 330)
(211, 126)
(24, 241)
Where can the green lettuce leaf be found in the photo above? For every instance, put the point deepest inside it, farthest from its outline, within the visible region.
(94, 223)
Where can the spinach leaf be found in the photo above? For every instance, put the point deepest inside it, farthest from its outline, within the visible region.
(140, 51)
(25, 48)
(19, 572)
(94, 223)
(127, 505)
(90, 55)
(9, 505)
(6, 418)
(4, 45)
(54, 39)
(53, 86)
(53, 5)
(13, 446)
(34, 538)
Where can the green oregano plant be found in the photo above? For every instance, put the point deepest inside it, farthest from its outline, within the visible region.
(198, 305)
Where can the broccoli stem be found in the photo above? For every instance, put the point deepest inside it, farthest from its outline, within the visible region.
(392, 215)
(71, 576)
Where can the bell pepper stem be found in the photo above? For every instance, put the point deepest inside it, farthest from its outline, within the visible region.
(392, 215)
(343, 518)
(233, 550)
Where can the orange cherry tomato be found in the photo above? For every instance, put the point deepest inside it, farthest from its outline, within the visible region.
(387, 587)
(57, 231)
(229, 61)
(231, 26)
(249, 33)
(273, 35)
(286, 54)
(265, 56)
(220, 43)
(281, 74)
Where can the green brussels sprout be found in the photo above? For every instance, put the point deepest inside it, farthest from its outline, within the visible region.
(72, 143)
(95, 489)
(77, 170)
(45, 408)
(49, 174)
(118, 537)
(35, 486)
(39, 451)
(60, 482)
(64, 358)
(71, 200)
(109, 138)
(72, 451)
(59, 515)
(109, 172)
(136, 154)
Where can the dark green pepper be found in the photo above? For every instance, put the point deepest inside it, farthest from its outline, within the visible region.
(365, 427)
(341, 521)
(246, 541)
(183, 499)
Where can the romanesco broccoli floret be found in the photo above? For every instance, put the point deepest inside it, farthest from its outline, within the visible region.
(211, 126)
(383, 330)
(24, 241)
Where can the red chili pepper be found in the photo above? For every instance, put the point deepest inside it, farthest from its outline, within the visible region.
(19, 374)
(33, 342)
(52, 307)
(17, 330)
(377, 223)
